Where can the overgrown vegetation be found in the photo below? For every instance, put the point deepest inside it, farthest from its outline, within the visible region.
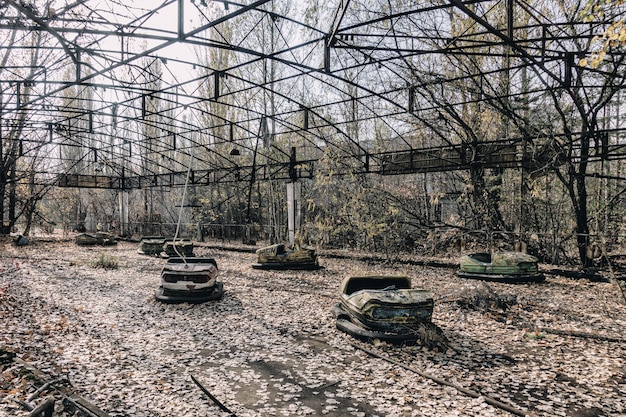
(106, 261)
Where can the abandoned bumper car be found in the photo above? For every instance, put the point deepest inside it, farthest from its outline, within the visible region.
(510, 267)
(189, 280)
(95, 239)
(177, 248)
(278, 256)
(388, 309)
(151, 245)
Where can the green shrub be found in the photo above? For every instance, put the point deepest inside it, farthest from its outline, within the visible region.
(106, 261)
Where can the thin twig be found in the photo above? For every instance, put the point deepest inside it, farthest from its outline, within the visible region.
(585, 335)
(212, 397)
(327, 385)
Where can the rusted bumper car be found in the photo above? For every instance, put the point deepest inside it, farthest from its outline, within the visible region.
(384, 308)
(152, 245)
(95, 239)
(189, 280)
(512, 267)
(279, 256)
(179, 248)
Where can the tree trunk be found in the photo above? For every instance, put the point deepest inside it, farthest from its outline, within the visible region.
(582, 225)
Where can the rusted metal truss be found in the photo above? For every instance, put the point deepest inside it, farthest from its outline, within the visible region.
(135, 94)
(495, 154)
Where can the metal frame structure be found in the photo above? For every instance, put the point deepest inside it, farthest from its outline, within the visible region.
(138, 94)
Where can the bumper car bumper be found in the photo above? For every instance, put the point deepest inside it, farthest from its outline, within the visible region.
(169, 296)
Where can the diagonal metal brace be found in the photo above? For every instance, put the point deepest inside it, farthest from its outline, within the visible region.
(506, 39)
(334, 27)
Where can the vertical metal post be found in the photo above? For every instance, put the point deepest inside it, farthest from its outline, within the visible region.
(326, 56)
(18, 96)
(569, 68)
(543, 42)
(12, 187)
(509, 15)
(216, 85)
(1, 104)
(2, 171)
(306, 119)
(78, 69)
(124, 217)
(181, 19)
(294, 209)
(293, 173)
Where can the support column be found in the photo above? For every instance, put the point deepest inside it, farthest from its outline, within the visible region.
(124, 218)
(294, 209)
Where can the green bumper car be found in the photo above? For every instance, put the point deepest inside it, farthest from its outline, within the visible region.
(152, 245)
(179, 248)
(95, 239)
(510, 267)
(278, 256)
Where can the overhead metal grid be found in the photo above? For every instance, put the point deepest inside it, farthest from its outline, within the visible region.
(131, 94)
